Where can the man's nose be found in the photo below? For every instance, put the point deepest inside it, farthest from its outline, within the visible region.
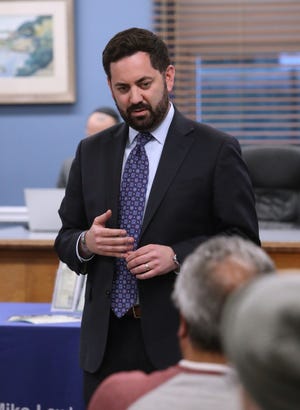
(135, 95)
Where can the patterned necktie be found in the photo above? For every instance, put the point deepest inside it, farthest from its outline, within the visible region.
(131, 206)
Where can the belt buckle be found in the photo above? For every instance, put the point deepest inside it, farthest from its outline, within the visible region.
(136, 314)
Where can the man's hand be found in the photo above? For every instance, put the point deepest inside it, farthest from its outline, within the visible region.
(107, 241)
(151, 260)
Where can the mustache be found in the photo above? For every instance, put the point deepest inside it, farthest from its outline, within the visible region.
(138, 107)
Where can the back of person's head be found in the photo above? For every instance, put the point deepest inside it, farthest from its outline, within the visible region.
(208, 276)
(261, 334)
(100, 119)
(130, 41)
(108, 111)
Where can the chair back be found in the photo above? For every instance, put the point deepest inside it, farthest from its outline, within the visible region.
(275, 175)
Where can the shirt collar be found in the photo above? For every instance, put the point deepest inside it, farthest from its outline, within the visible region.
(160, 133)
(215, 367)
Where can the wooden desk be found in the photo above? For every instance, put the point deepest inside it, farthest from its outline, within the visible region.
(286, 255)
(283, 245)
(28, 265)
(28, 262)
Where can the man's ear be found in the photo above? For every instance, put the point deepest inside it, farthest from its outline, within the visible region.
(169, 77)
(183, 328)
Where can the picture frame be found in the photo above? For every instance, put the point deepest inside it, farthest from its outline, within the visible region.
(69, 289)
(37, 64)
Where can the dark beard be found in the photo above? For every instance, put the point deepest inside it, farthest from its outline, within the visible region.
(150, 122)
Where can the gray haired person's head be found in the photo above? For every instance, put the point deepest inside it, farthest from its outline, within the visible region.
(208, 275)
(261, 336)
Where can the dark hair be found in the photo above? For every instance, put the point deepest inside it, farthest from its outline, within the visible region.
(130, 41)
(109, 111)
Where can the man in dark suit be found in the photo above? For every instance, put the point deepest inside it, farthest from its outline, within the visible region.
(198, 186)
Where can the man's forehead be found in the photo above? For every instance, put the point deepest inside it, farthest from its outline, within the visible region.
(138, 64)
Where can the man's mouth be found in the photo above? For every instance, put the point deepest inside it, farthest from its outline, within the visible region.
(138, 110)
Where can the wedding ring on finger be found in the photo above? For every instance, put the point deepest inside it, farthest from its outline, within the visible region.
(147, 267)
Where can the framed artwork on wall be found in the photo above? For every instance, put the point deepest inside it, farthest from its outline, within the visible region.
(37, 52)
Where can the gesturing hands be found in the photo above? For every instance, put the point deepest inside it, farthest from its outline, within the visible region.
(144, 263)
(107, 241)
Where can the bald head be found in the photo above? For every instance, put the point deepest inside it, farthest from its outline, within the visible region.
(99, 121)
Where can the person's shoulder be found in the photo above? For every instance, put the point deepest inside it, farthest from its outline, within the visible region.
(201, 129)
(211, 132)
(137, 379)
(119, 390)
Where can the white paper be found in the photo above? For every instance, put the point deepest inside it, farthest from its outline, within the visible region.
(44, 319)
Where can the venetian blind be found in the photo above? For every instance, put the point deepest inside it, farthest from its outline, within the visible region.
(237, 64)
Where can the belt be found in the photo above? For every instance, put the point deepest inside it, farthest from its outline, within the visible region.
(134, 311)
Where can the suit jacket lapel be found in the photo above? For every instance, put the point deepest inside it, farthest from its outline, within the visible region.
(114, 161)
(177, 144)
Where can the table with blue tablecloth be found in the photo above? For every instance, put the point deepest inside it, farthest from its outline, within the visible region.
(39, 363)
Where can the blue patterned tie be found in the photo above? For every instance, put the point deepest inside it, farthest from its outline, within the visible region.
(131, 206)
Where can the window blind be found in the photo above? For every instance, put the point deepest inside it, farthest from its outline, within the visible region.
(237, 64)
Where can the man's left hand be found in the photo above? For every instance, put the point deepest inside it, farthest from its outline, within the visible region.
(151, 260)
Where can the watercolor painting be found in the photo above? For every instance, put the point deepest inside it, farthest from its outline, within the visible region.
(26, 46)
(36, 52)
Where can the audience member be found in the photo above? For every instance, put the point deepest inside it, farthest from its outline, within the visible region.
(141, 196)
(261, 333)
(100, 119)
(202, 379)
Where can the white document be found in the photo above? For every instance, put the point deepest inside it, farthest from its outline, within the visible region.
(44, 319)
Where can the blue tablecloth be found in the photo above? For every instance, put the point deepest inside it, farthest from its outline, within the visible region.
(39, 364)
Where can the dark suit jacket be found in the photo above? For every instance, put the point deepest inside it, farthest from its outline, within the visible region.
(201, 188)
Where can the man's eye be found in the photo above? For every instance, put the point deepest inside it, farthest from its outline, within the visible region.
(122, 89)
